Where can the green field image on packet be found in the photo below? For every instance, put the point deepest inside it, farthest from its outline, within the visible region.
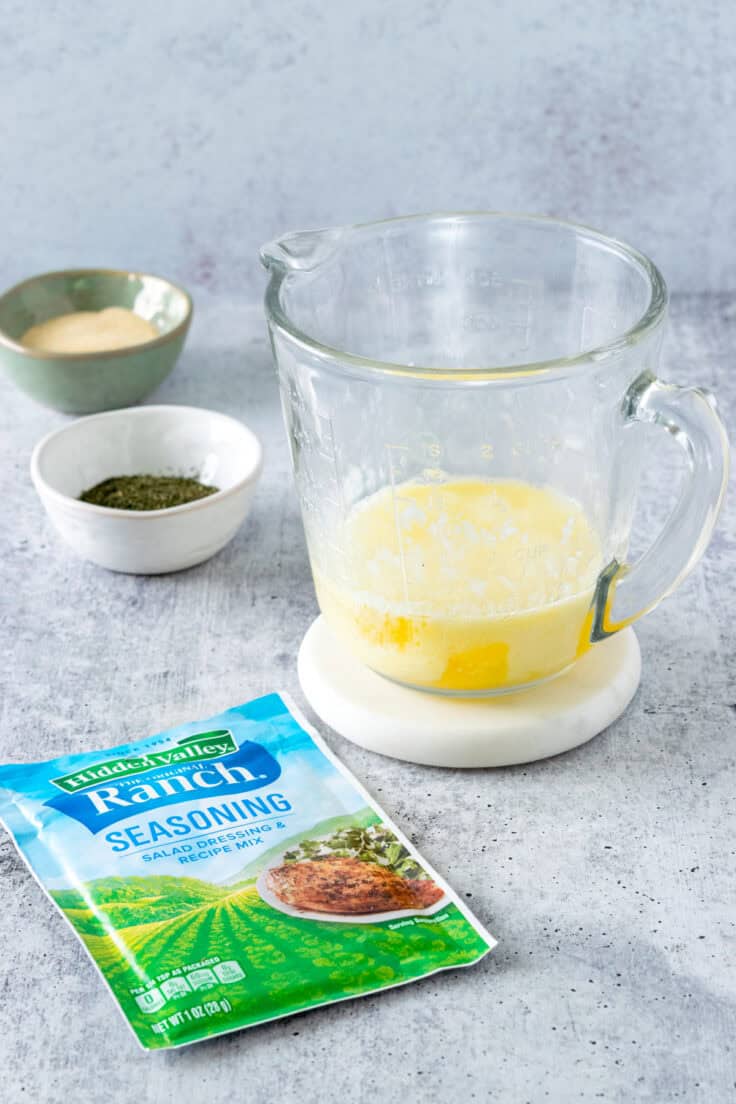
(231, 871)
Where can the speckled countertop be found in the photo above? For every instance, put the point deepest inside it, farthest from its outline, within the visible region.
(607, 874)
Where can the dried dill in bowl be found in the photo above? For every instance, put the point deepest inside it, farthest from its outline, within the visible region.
(146, 492)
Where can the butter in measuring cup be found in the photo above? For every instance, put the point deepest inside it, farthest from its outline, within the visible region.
(231, 871)
(468, 585)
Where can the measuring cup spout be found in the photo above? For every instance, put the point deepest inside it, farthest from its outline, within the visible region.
(302, 251)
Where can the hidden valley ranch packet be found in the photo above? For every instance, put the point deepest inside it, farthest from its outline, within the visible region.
(231, 871)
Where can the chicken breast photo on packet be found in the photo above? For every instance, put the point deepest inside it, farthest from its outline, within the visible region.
(358, 872)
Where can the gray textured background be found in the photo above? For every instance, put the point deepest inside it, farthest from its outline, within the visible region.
(607, 874)
(178, 137)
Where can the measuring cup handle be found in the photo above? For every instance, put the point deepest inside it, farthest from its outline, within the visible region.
(625, 592)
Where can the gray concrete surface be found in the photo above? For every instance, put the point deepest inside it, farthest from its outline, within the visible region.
(607, 874)
(179, 137)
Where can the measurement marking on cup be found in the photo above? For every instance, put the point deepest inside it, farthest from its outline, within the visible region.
(327, 435)
(528, 321)
(403, 450)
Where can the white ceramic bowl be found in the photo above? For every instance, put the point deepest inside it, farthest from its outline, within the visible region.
(155, 440)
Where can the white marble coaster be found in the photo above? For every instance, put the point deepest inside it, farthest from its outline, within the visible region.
(468, 732)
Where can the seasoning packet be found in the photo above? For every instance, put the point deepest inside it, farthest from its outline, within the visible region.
(231, 871)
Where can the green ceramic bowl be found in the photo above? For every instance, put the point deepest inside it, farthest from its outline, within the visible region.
(84, 383)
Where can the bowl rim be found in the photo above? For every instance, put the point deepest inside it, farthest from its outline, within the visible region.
(43, 487)
(39, 354)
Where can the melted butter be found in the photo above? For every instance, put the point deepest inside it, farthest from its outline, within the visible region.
(468, 585)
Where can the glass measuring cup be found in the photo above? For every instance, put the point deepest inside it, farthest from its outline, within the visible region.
(463, 395)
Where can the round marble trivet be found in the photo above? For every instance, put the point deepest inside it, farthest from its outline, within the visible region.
(468, 732)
